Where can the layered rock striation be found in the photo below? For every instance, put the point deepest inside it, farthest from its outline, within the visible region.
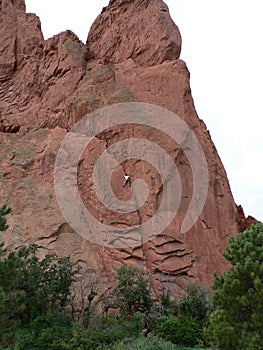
(132, 54)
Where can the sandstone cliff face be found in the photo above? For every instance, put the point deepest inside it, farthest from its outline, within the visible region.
(132, 54)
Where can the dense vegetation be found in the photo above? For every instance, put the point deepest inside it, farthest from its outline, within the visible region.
(237, 322)
(36, 305)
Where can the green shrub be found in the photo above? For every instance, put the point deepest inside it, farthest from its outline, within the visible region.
(195, 304)
(183, 330)
(188, 326)
(155, 316)
(143, 343)
(31, 289)
(44, 333)
(132, 292)
(107, 330)
(138, 322)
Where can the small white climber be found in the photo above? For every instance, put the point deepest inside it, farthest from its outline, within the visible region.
(127, 180)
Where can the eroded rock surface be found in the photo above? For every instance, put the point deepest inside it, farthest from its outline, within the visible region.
(140, 30)
(132, 54)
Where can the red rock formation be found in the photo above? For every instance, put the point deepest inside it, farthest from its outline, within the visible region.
(140, 30)
(245, 222)
(132, 54)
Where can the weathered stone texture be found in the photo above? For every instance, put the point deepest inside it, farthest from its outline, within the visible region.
(132, 54)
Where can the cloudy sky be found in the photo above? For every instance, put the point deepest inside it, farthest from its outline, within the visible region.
(222, 46)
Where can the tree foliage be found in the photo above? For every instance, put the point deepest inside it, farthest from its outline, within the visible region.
(183, 330)
(4, 210)
(195, 304)
(132, 292)
(35, 293)
(31, 287)
(237, 323)
(192, 312)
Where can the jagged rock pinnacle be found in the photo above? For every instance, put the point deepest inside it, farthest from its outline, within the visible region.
(46, 86)
(142, 30)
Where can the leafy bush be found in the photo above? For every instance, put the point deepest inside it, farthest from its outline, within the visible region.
(49, 333)
(31, 288)
(188, 326)
(237, 323)
(139, 322)
(107, 330)
(132, 291)
(195, 304)
(155, 316)
(149, 343)
(183, 330)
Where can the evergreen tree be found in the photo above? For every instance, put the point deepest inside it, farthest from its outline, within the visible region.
(3, 212)
(237, 323)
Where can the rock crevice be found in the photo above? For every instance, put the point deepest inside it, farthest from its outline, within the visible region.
(132, 54)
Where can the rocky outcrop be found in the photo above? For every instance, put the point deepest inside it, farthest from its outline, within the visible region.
(243, 221)
(140, 30)
(132, 54)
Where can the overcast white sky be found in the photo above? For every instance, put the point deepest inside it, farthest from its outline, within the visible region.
(222, 46)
